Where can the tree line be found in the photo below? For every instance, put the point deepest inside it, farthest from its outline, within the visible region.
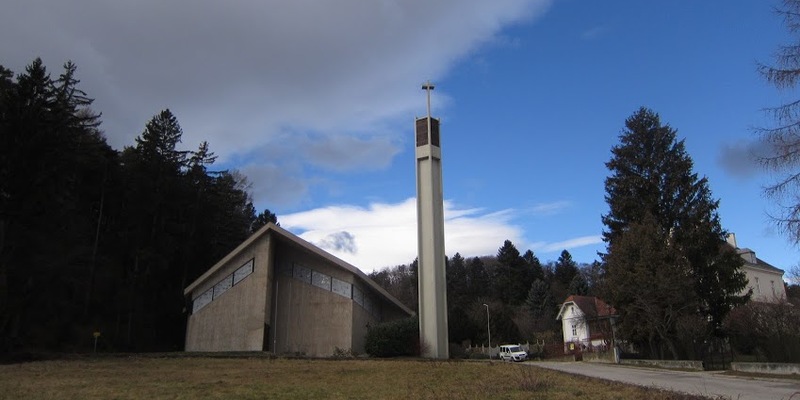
(521, 294)
(94, 239)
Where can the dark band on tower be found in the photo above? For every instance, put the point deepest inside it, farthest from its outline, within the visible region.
(423, 135)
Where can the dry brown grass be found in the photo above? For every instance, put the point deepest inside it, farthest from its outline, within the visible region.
(260, 378)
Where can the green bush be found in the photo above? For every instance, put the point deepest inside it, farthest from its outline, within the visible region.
(394, 338)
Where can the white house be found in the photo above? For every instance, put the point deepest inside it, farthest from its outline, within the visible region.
(765, 280)
(586, 323)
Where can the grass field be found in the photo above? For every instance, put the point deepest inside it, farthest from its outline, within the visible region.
(265, 378)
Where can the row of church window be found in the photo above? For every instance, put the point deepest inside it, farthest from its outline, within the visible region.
(223, 285)
(340, 287)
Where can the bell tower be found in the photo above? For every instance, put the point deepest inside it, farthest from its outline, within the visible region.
(430, 237)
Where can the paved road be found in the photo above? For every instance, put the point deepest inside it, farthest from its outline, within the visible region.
(711, 384)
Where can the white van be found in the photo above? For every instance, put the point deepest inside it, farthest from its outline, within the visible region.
(512, 352)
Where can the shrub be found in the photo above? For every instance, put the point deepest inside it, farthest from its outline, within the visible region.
(394, 338)
(769, 331)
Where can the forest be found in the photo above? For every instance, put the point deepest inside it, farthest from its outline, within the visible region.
(93, 239)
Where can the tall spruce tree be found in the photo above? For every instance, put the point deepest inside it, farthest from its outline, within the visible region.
(52, 163)
(511, 278)
(651, 179)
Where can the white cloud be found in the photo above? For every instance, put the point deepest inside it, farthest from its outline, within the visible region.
(306, 79)
(569, 244)
(384, 235)
(552, 208)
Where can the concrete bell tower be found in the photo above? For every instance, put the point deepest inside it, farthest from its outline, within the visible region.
(430, 237)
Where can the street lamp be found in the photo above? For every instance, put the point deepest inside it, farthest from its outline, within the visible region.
(489, 331)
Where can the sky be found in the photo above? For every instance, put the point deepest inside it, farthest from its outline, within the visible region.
(314, 101)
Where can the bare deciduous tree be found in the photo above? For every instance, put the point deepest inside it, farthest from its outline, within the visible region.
(783, 139)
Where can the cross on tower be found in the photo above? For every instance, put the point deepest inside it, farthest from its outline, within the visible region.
(428, 86)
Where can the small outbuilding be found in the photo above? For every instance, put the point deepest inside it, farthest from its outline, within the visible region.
(277, 292)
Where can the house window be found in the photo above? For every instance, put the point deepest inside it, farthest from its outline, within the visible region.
(772, 284)
(758, 287)
(574, 330)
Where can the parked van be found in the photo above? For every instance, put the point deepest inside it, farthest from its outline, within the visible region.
(512, 352)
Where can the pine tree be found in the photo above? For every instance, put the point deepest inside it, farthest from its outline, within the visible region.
(511, 278)
(533, 266)
(262, 219)
(565, 269)
(652, 179)
(52, 163)
(540, 301)
(648, 284)
(578, 285)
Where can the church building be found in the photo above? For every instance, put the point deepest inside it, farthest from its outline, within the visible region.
(277, 292)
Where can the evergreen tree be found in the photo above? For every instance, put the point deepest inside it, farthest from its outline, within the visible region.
(52, 164)
(578, 286)
(540, 301)
(649, 285)
(512, 276)
(533, 266)
(652, 179)
(94, 239)
(456, 280)
(461, 327)
(262, 219)
(477, 278)
(566, 269)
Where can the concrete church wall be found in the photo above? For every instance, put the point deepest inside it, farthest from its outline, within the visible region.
(311, 320)
(235, 320)
(315, 321)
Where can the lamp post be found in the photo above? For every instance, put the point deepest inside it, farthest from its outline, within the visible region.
(488, 330)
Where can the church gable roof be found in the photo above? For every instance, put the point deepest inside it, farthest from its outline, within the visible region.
(287, 237)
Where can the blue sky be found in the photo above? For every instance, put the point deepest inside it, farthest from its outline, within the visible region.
(314, 102)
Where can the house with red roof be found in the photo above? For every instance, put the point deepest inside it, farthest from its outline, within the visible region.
(587, 323)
